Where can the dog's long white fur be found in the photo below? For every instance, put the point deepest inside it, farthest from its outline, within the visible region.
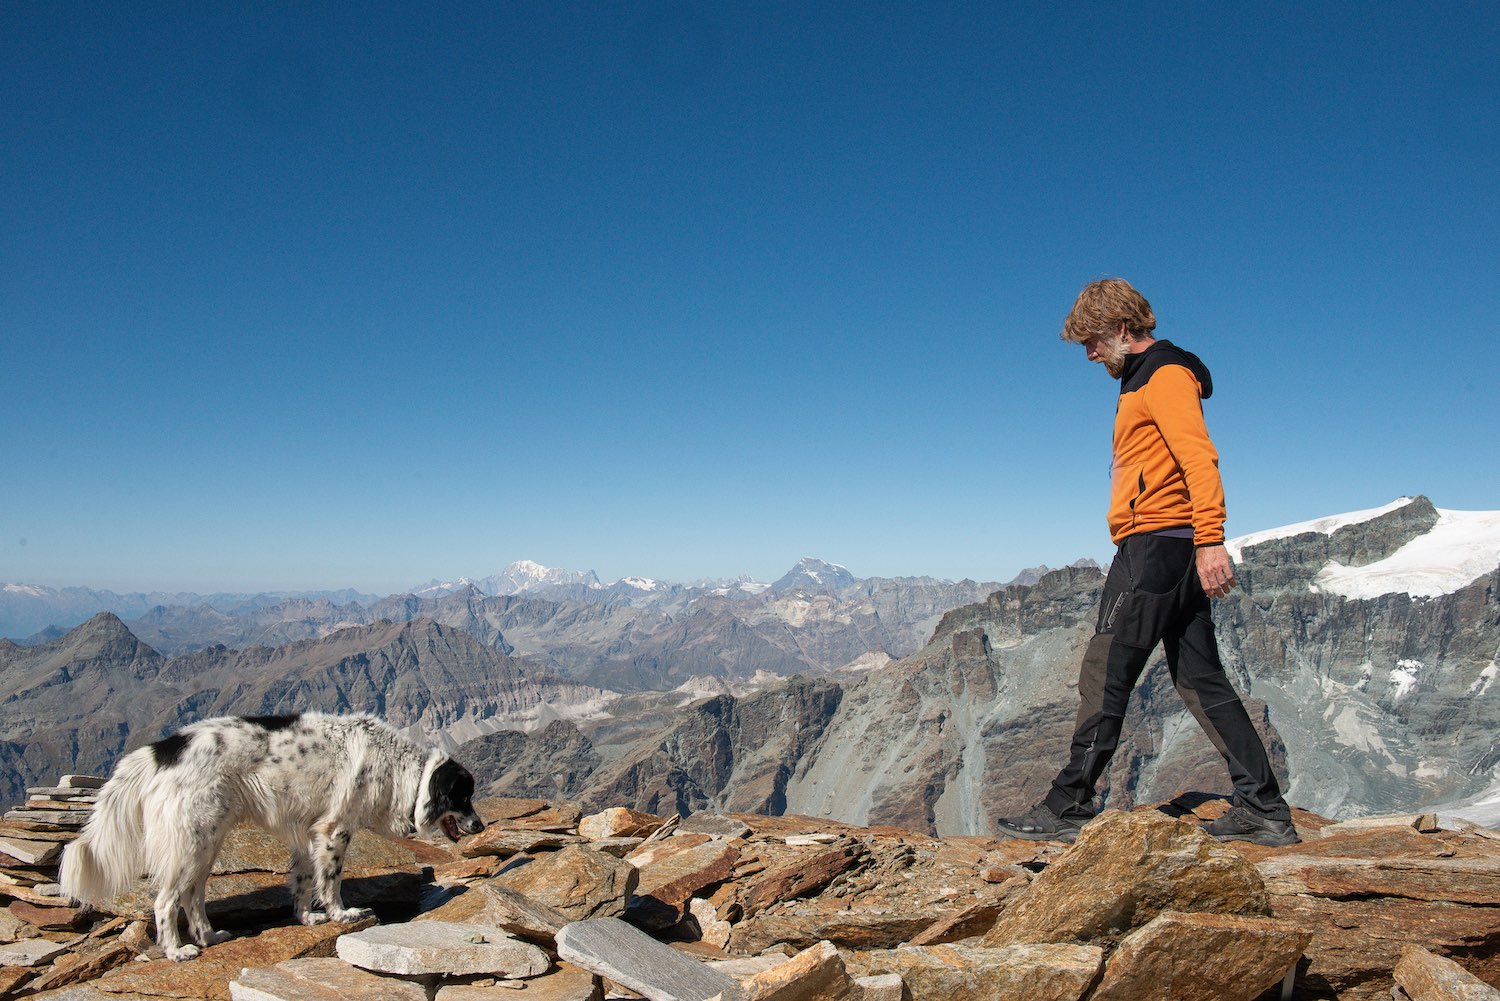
(311, 780)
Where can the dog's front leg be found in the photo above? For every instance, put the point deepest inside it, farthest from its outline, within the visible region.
(330, 844)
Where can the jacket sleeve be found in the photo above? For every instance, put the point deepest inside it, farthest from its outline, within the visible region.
(1176, 406)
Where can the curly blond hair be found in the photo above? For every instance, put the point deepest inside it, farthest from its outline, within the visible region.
(1102, 306)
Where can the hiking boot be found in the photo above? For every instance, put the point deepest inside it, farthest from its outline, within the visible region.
(1240, 824)
(1039, 824)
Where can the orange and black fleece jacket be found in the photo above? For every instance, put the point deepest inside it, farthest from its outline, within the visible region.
(1166, 470)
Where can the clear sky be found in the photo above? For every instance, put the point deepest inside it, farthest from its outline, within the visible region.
(356, 295)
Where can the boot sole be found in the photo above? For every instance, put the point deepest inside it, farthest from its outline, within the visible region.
(1067, 837)
(1266, 840)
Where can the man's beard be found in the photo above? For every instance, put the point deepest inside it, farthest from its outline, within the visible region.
(1112, 356)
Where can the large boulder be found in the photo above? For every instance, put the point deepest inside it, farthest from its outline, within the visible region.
(1124, 870)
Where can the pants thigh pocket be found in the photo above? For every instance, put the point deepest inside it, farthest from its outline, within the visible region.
(1142, 618)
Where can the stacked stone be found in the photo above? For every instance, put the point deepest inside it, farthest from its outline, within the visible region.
(32, 836)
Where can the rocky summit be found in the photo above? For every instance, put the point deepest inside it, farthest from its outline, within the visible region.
(553, 904)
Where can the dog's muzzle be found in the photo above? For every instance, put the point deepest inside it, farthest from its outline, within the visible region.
(455, 826)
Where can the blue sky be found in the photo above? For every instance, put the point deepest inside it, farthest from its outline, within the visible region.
(307, 296)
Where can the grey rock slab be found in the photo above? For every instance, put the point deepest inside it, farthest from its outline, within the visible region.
(635, 960)
(320, 980)
(713, 825)
(30, 952)
(566, 983)
(31, 852)
(884, 987)
(81, 782)
(441, 947)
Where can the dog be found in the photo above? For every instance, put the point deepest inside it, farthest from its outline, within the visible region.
(311, 780)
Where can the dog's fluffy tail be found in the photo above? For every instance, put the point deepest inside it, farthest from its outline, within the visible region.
(109, 856)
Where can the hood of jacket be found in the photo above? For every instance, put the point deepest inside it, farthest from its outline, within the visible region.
(1139, 367)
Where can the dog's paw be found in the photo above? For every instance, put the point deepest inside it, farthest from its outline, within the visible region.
(351, 914)
(313, 918)
(178, 953)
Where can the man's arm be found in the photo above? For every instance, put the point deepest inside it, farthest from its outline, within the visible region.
(1177, 409)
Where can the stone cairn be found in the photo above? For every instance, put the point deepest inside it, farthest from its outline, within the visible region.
(550, 905)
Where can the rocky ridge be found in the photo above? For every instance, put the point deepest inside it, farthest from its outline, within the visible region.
(747, 907)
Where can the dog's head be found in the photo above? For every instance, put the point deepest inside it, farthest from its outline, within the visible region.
(445, 803)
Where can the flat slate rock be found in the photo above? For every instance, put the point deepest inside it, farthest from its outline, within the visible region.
(566, 983)
(713, 825)
(321, 980)
(635, 960)
(31, 852)
(30, 952)
(442, 947)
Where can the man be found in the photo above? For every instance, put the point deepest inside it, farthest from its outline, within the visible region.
(1166, 515)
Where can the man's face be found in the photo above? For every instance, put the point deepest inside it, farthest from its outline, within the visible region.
(1107, 351)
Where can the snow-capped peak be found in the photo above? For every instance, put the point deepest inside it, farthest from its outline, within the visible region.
(812, 574)
(1325, 526)
(30, 590)
(1457, 550)
(435, 587)
(1462, 547)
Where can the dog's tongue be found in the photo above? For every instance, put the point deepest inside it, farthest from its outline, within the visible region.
(450, 827)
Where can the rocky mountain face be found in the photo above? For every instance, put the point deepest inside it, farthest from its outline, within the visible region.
(1366, 704)
(1383, 701)
(78, 703)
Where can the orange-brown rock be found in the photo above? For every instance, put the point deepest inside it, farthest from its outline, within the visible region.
(1453, 880)
(804, 876)
(208, 976)
(1357, 943)
(1206, 957)
(576, 881)
(618, 822)
(970, 922)
(504, 842)
(814, 974)
(667, 883)
(48, 918)
(89, 962)
(487, 903)
(974, 973)
(1125, 869)
(1425, 977)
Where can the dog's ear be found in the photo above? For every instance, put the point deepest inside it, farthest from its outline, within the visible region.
(450, 789)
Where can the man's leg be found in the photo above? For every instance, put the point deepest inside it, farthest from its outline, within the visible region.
(1197, 669)
(1106, 677)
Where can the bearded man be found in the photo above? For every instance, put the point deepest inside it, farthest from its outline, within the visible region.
(1166, 515)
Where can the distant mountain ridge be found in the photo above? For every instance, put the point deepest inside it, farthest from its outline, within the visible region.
(34, 612)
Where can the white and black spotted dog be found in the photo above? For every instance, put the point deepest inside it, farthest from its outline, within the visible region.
(311, 780)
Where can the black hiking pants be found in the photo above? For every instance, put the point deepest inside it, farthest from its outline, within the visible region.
(1153, 595)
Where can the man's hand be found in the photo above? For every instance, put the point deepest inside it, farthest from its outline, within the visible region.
(1215, 571)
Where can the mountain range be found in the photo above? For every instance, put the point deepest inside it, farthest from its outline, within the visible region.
(1365, 645)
